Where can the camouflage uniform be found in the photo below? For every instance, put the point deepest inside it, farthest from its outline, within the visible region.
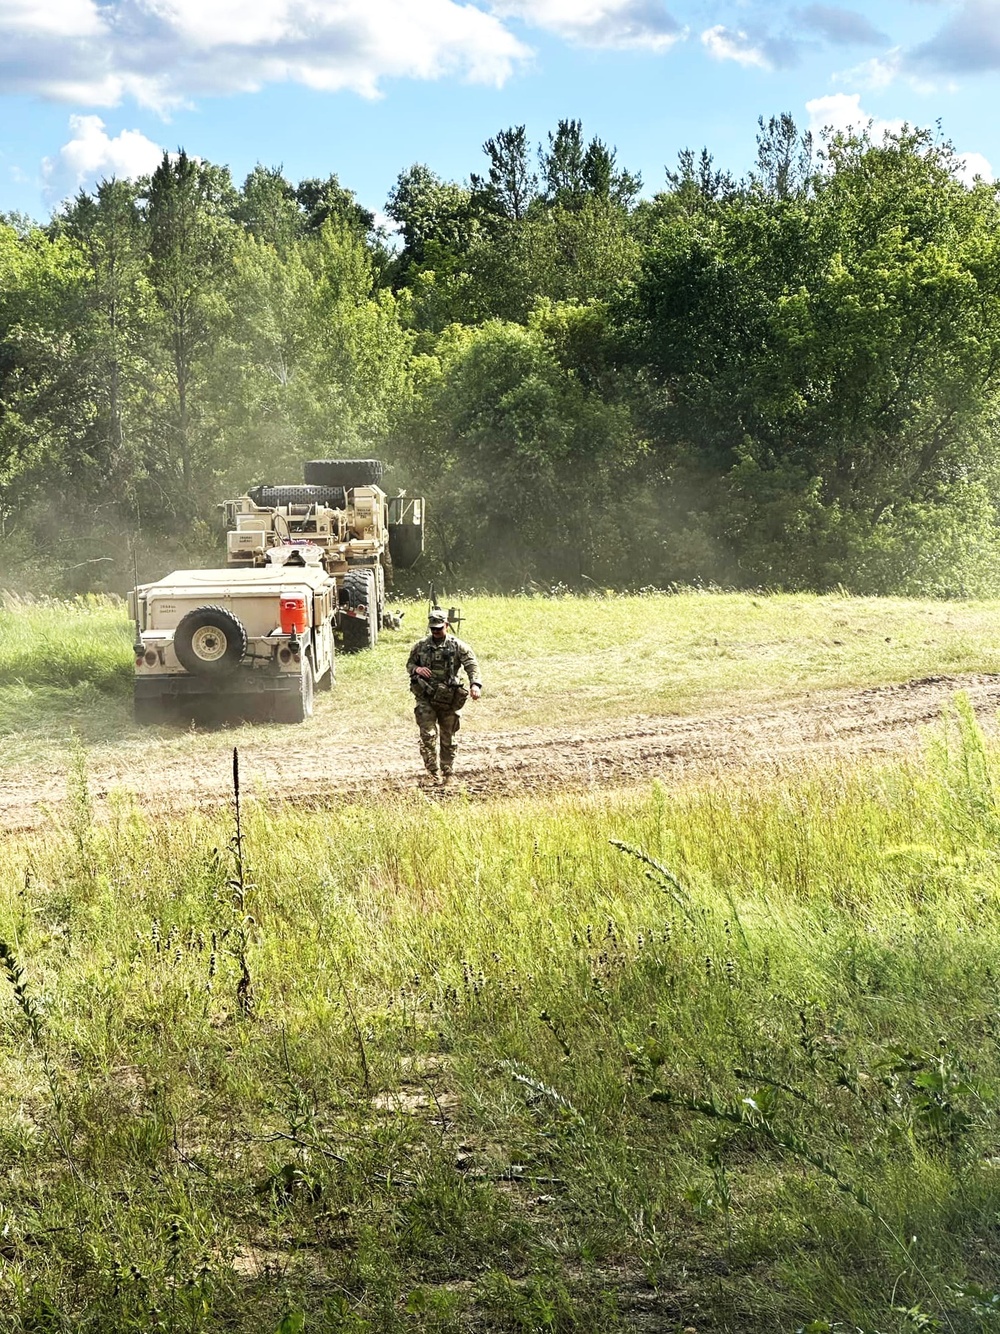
(444, 658)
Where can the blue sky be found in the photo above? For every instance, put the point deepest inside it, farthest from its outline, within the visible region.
(365, 88)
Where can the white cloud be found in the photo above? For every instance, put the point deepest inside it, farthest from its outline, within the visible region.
(51, 18)
(731, 44)
(842, 27)
(91, 156)
(621, 24)
(166, 52)
(973, 165)
(207, 23)
(843, 112)
(883, 71)
(876, 74)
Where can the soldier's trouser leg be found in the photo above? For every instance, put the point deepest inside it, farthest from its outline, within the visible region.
(427, 721)
(449, 723)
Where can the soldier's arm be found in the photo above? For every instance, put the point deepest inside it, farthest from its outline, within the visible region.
(416, 663)
(468, 660)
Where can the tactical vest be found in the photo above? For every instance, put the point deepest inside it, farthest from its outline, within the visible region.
(442, 659)
(444, 688)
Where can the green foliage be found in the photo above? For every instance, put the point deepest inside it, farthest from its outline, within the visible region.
(325, 201)
(41, 293)
(326, 363)
(572, 171)
(510, 186)
(520, 452)
(829, 370)
(789, 380)
(757, 1083)
(190, 238)
(785, 166)
(358, 355)
(584, 253)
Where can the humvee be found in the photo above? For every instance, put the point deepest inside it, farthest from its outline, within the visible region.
(259, 640)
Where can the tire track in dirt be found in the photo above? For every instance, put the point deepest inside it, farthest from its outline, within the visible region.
(885, 719)
(881, 719)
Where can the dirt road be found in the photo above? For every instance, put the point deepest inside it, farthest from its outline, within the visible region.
(885, 719)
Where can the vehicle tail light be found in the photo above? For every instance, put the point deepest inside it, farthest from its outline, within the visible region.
(150, 658)
(293, 613)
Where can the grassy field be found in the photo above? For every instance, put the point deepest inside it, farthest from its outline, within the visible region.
(719, 1059)
(65, 668)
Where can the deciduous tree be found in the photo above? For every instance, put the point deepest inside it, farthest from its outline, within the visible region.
(828, 367)
(187, 211)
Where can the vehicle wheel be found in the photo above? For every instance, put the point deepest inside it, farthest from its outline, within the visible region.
(295, 706)
(210, 641)
(344, 472)
(355, 633)
(273, 497)
(358, 590)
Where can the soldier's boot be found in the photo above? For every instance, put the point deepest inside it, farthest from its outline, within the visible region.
(448, 749)
(447, 778)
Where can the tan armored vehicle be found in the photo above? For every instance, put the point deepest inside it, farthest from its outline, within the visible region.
(308, 565)
(261, 639)
(359, 532)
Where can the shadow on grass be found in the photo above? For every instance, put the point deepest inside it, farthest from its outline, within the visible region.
(209, 714)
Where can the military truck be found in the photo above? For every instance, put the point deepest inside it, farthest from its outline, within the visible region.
(259, 641)
(340, 511)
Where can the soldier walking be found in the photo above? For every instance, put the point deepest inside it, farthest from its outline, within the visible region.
(433, 666)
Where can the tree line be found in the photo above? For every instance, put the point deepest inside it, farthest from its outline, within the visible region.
(785, 380)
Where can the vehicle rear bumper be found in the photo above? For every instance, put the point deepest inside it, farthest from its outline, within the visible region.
(180, 685)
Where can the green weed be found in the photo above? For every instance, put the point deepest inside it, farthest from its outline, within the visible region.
(720, 1058)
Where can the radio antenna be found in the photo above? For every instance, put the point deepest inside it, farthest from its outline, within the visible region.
(138, 645)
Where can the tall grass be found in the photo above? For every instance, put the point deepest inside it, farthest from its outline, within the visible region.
(65, 669)
(46, 642)
(502, 1072)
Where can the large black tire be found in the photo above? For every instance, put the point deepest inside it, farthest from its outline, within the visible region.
(344, 472)
(272, 497)
(355, 633)
(358, 590)
(295, 706)
(210, 641)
